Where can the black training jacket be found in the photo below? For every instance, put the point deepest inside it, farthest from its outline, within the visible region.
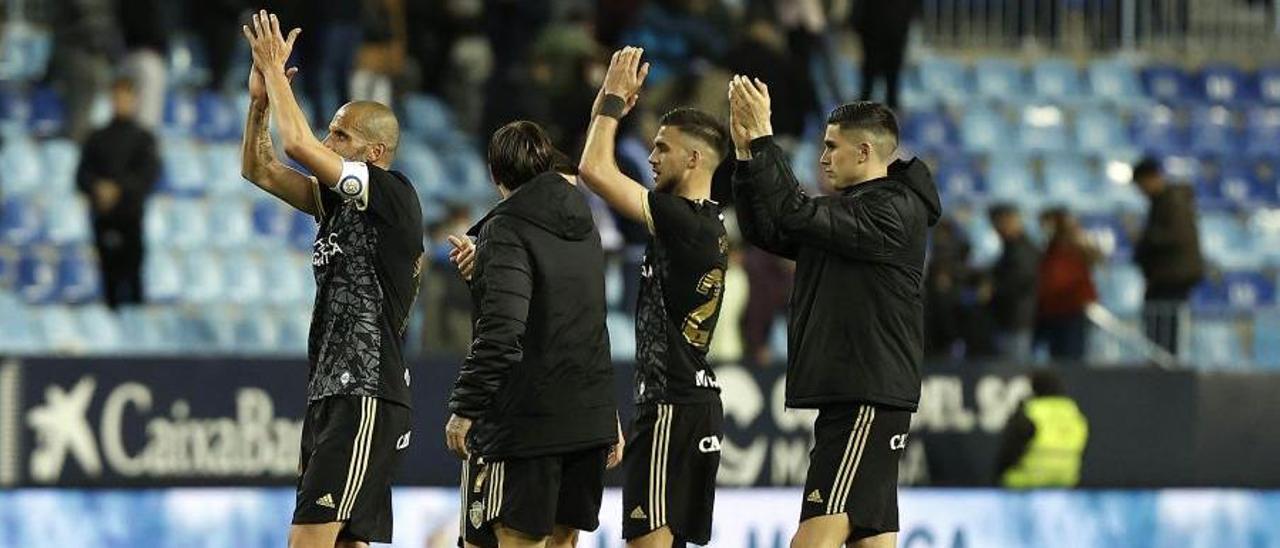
(538, 380)
(855, 334)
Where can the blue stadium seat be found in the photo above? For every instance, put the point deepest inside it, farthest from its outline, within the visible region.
(1222, 83)
(68, 219)
(420, 163)
(943, 77)
(215, 118)
(1009, 177)
(20, 221)
(1236, 185)
(1166, 83)
(48, 113)
(287, 274)
(1121, 289)
(256, 332)
(1216, 344)
(998, 78)
(959, 179)
(101, 329)
(79, 279)
(230, 223)
(1249, 290)
(1109, 234)
(1262, 126)
(1269, 84)
(1071, 180)
(245, 278)
(1264, 228)
(162, 276)
(622, 336)
(1114, 80)
(62, 333)
(146, 335)
(38, 275)
(183, 172)
(208, 329)
(1225, 241)
(302, 231)
(157, 231)
(1159, 131)
(295, 323)
(427, 115)
(1099, 130)
(203, 278)
(1056, 79)
(222, 170)
(21, 174)
(59, 159)
(929, 129)
(180, 113)
(19, 333)
(1266, 346)
(984, 130)
(1214, 130)
(1043, 129)
(189, 223)
(10, 257)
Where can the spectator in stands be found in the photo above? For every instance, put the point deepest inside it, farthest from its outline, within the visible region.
(118, 166)
(217, 23)
(1044, 441)
(943, 290)
(85, 38)
(329, 47)
(147, 40)
(1168, 252)
(1066, 287)
(446, 300)
(727, 344)
(763, 54)
(1013, 284)
(882, 27)
(770, 278)
(381, 58)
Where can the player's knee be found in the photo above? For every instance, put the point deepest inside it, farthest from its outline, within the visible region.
(822, 532)
(658, 538)
(517, 539)
(563, 537)
(882, 540)
(351, 544)
(314, 535)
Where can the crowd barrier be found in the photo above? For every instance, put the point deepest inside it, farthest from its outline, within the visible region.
(220, 422)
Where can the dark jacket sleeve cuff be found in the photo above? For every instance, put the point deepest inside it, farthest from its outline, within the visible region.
(760, 144)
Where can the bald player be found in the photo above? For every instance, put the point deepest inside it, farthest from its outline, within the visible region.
(367, 259)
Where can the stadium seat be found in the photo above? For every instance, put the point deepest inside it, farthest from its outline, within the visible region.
(179, 113)
(1221, 83)
(21, 174)
(189, 223)
(101, 329)
(62, 332)
(945, 78)
(162, 276)
(1237, 186)
(10, 257)
(984, 130)
(1121, 289)
(1158, 130)
(622, 338)
(59, 159)
(1214, 130)
(1099, 130)
(1009, 177)
(1269, 84)
(959, 179)
(183, 173)
(1113, 80)
(68, 219)
(1262, 127)
(1266, 346)
(1070, 179)
(221, 170)
(1216, 344)
(1108, 233)
(203, 278)
(427, 115)
(19, 331)
(928, 129)
(38, 275)
(21, 221)
(1043, 129)
(419, 162)
(256, 332)
(302, 231)
(295, 324)
(215, 118)
(230, 223)
(1225, 241)
(998, 78)
(245, 278)
(1166, 83)
(208, 329)
(287, 275)
(1249, 290)
(48, 113)
(1056, 79)
(79, 278)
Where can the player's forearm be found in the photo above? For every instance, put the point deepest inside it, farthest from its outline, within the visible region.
(256, 149)
(290, 121)
(598, 169)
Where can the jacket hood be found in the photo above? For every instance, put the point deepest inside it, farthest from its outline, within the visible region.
(549, 202)
(916, 176)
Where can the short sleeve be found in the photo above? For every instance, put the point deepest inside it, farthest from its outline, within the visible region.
(668, 216)
(327, 200)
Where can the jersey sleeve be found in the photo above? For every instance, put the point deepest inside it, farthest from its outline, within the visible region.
(375, 191)
(669, 217)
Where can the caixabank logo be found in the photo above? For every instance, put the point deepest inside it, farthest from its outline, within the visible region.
(93, 432)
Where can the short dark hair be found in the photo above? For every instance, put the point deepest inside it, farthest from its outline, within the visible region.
(520, 151)
(1047, 383)
(1000, 210)
(1148, 166)
(124, 83)
(867, 116)
(702, 126)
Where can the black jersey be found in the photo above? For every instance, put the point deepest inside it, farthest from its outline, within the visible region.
(367, 261)
(682, 281)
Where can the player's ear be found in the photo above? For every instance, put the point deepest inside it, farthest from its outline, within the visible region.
(695, 158)
(376, 152)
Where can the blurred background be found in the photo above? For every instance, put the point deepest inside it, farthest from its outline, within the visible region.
(1102, 321)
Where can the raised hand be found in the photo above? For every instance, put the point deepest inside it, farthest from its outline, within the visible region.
(749, 108)
(463, 255)
(625, 76)
(270, 48)
(258, 86)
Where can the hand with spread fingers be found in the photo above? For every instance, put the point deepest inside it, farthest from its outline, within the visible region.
(463, 255)
(749, 107)
(455, 436)
(624, 78)
(270, 48)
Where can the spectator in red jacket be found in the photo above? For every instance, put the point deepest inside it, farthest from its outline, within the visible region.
(1066, 286)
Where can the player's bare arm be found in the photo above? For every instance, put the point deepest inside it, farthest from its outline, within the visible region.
(270, 52)
(598, 168)
(259, 164)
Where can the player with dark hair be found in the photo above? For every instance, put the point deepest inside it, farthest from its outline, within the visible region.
(534, 412)
(856, 328)
(367, 260)
(674, 445)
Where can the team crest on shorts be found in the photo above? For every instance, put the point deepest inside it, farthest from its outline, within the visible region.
(476, 514)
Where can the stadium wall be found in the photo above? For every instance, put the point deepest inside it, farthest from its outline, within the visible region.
(227, 422)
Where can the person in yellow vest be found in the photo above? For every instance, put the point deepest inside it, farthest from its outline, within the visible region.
(1043, 442)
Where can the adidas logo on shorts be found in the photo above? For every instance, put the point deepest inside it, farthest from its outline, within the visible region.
(638, 513)
(326, 501)
(815, 497)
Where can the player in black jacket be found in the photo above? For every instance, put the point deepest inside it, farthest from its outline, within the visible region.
(538, 383)
(674, 447)
(855, 335)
